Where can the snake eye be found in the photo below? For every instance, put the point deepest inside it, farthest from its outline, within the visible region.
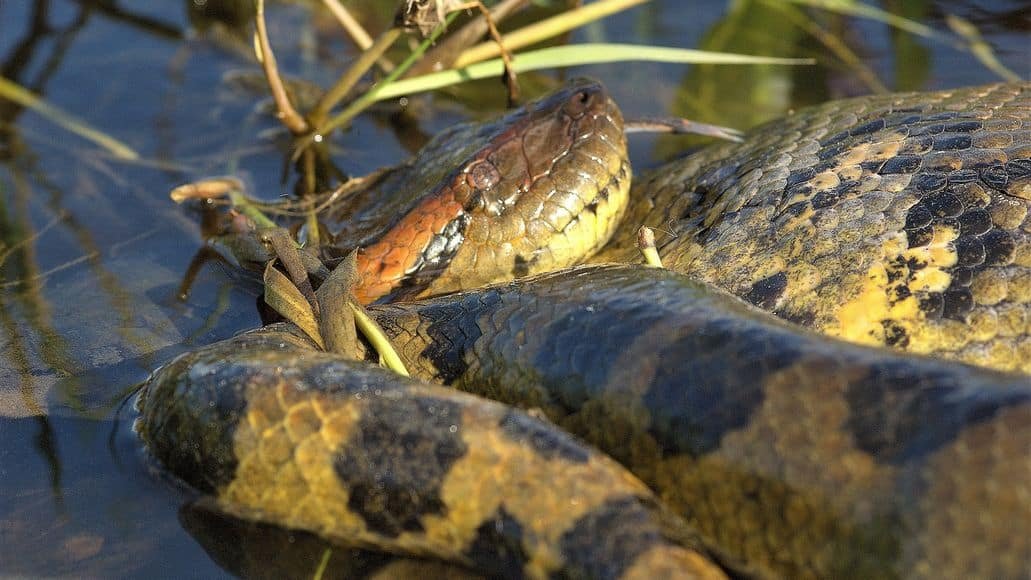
(482, 175)
(578, 103)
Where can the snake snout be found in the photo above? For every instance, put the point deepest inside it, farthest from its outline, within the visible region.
(582, 101)
(584, 96)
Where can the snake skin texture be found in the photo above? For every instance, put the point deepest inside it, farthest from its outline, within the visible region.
(532, 191)
(310, 441)
(801, 455)
(897, 220)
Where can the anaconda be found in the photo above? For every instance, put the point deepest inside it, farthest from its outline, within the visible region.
(897, 220)
(800, 485)
(312, 441)
(532, 191)
(802, 456)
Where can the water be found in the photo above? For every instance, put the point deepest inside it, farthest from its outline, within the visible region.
(92, 251)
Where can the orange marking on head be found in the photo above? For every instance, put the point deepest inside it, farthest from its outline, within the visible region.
(382, 265)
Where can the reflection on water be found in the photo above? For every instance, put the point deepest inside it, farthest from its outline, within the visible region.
(92, 251)
(79, 501)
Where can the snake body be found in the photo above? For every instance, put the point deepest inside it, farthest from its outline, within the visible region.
(897, 220)
(803, 456)
(788, 454)
(311, 441)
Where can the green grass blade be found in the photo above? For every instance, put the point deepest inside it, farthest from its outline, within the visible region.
(981, 50)
(363, 102)
(16, 93)
(858, 9)
(575, 55)
(545, 29)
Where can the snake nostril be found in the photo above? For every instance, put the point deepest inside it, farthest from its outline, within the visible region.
(579, 102)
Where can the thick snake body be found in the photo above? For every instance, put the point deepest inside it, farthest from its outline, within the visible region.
(897, 220)
(802, 456)
(311, 441)
(789, 454)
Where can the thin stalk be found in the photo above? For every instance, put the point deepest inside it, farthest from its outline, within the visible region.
(15, 93)
(572, 55)
(981, 50)
(351, 26)
(378, 339)
(370, 97)
(545, 29)
(351, 77)
(833, 43)
(287, 114)
(646, 243)
(247, 208)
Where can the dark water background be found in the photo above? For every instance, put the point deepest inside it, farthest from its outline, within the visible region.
(92, 250)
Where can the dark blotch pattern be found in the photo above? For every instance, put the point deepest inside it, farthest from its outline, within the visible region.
(451, 335)
(766, 292)
(929, 182)
(521, 267)
(867, 128)
(943, 204)
(918, 217)
(949, 142)
(901, 164)
(964, 126)
(955, 197)
(920, 236)
(928, 129)
(900, 411)
(999, 247)
(604, 543)
(800, 176)
(957, 303)
(995, 176)
(694, 402)
(498, 546)
(547, 442)
(975, 222)
(190, 426)
(397, 459)
(970, 251)
(577, 370)
(932, 305)
(962, 176)
(894, 334)
(1019, 168)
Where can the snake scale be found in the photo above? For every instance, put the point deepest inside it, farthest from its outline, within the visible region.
(756, 447)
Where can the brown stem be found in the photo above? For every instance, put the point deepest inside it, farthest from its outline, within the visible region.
(346, 82)
(445, 53)
(354, 29)
(286, 112)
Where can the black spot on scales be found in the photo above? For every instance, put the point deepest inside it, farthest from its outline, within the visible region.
(396, 461)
